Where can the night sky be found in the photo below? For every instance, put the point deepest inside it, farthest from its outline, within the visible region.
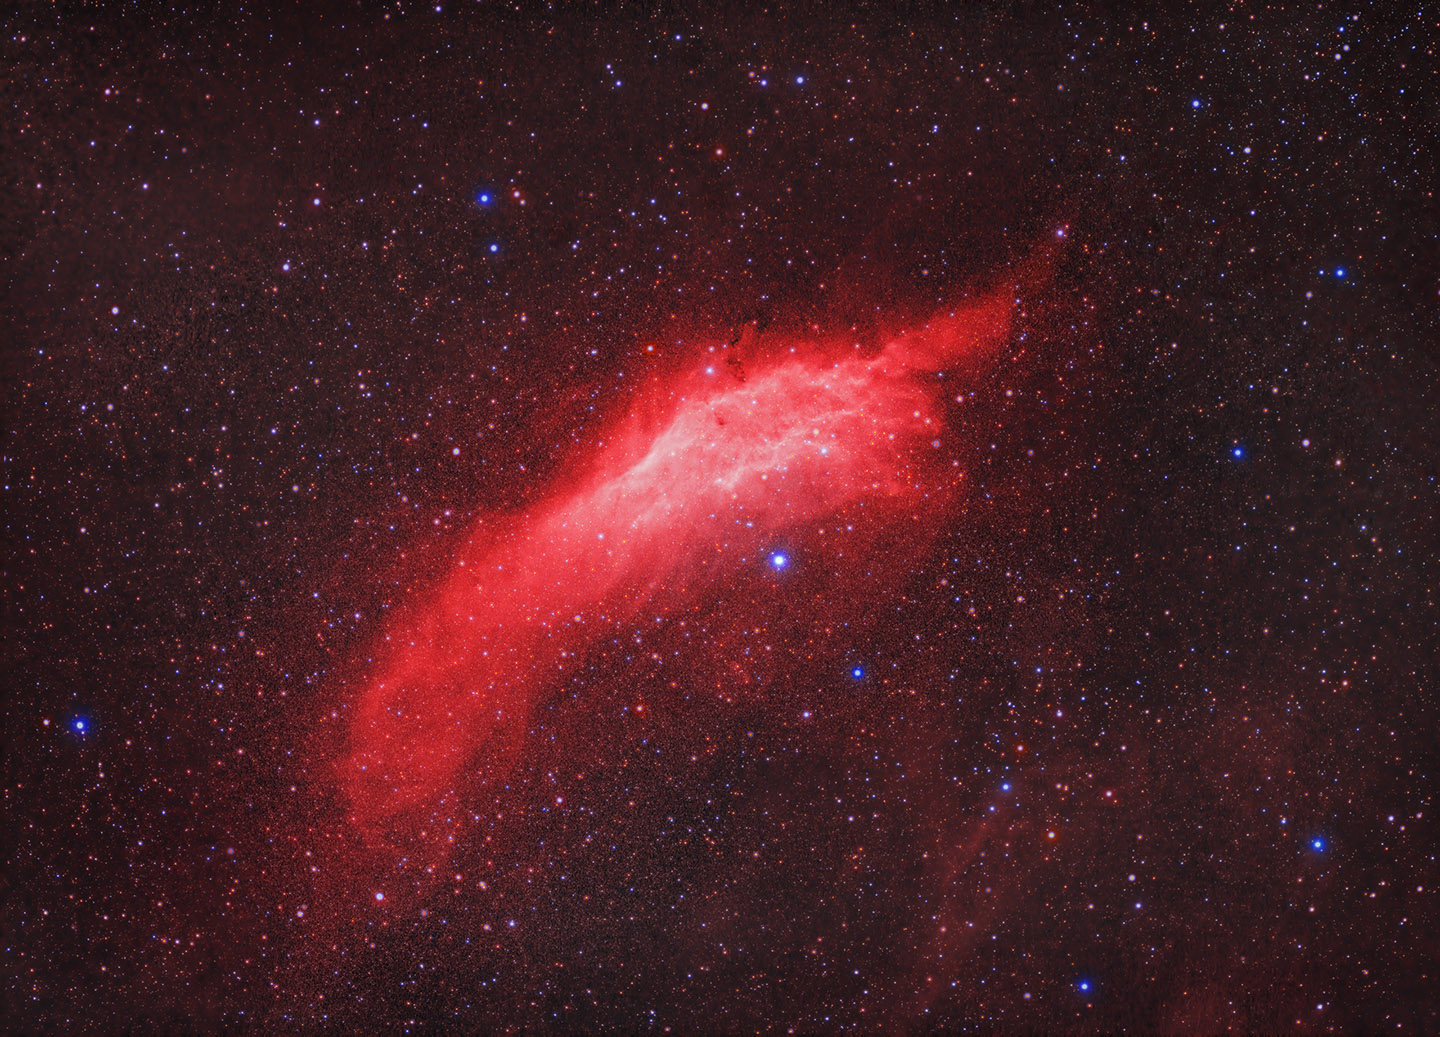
(844, 518)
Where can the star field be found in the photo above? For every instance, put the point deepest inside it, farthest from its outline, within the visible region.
(704, 518)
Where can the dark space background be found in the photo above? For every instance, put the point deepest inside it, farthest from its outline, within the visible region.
(1149, 741)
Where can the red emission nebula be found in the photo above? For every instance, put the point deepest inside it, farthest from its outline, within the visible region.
(674, 517)
(721, 472)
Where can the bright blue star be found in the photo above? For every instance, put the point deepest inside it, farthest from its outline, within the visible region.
(1339, 271)
(483, 198)
(1005, 787)
(1317, 844)
(1195, 103)
(779, 561)
(1084, 986)
(1238, 452)
(494, 247)
(80, 724)
(857, 673)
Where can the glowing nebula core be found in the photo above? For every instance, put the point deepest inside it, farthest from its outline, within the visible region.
(737, 465)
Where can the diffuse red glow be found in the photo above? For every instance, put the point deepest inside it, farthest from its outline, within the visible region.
(741, 461)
